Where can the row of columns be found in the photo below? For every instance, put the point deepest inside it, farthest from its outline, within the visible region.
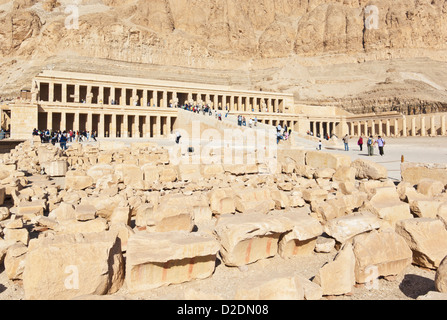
(158, 98)
(112, 125)
(323, 128)
(405, 126)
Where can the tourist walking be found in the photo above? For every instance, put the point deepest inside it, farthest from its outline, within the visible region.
(360, 143)
(178, 136)
(370, 145)
(346, 142)
(63, 141)
(381, 144)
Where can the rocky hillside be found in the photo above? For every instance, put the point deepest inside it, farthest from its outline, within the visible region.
(362, 55)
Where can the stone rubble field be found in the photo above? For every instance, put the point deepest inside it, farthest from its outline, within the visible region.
(108, 222)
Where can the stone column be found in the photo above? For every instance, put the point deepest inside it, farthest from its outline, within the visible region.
(443, 126)
(64, 93)
(413, 126)
(216, 102)
(404, 126)
(155, 99)
(359, 128)
(388, 128)
(63, 124)
(77, 94)
(396, 127)
(276, 105)
(232, 103)
(76, 122)
(373, 127)
(101, 95)
(89, 95)
(50, 120)
(89, 126)
(51, 92)
(101, 123)
(168, 126)
(432, 126)
(165, 99)
(112, 133)
(157, 132)
(112, 95)
(147, 127)
(423, 130)
(380, 127)
(125, 127)
(351, 124)
(269, 105)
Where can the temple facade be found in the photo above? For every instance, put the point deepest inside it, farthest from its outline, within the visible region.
(121, 107)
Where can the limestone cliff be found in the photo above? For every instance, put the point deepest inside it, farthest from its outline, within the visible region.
(324, 51)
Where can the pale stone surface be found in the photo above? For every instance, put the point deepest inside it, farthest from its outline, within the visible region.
(160, 259)
(427, 238)
(276, 288)
(15, 261)
(415, 172)
(380, 253)
(85, 212)
(74, 226)
(324, 245)
(366, 169)
(254, 200)
(441, 276)
(344, 228)
(56, 168)
(345, 174)
(77, 180)
(301, 240)
(248, 238)
(337, 277)
(386, 204)
(222, 201)
(430, 187)
(67, 266)
(433, 295)
(321, 160)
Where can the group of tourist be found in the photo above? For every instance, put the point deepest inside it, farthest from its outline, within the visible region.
(370, 143)
(282, 133)
(242, 121)
(63, 137)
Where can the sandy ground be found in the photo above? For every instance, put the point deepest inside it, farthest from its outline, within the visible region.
(224, 282)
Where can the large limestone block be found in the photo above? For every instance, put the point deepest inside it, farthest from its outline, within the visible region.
(65, 211)
(159, 259)
(415, 172)
(85, 212)
(171, 217)
(100, 170)
(442, 213)
(276, 287)
(32, 209)
(430, 187)
(380, 253)
(74, 226)
(131, 175)
(337, 277)
(311, 195)
(441, 276)
(189, 172)
(15, 260)
(254, 200)
(321, 160)
(425, 208)
(197, 203)
(386, 204)
(344, 174)
(66, 266)
(77, 180)
(57, 168)
(248, 238)
(295, 155)
(222, 201)
(301, 240)
(427, 238)
(366, 169)
(344, 228)
(212, 170)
